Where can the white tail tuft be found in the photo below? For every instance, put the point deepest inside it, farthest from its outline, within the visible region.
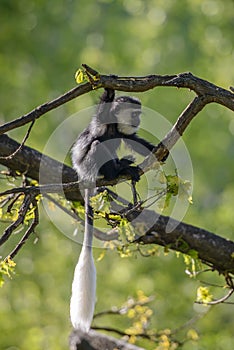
(83, 291)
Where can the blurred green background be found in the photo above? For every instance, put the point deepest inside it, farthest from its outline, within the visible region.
(42, 45)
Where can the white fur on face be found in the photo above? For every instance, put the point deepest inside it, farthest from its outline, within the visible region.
(128, 120)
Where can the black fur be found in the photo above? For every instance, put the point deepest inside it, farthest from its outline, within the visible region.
(94, 152)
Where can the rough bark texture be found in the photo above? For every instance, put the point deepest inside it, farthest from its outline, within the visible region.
(28, 161)
(210, 248)
(96, 341)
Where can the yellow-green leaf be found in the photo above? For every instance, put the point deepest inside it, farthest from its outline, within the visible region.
(80, 76)
(203, 295)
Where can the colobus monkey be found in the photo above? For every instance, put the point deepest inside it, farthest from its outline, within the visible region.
(95, 154)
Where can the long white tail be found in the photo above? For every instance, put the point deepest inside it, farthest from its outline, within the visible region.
(84, 282)
(83, 291)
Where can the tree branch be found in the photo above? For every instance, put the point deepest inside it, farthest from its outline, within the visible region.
(201, 87)
(210, 248)
(20, 219)
(28, 161)
(96, 341)
(214, 250)
(46, 107)
(28, 232)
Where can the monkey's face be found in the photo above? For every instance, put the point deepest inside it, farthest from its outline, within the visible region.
(128, 120)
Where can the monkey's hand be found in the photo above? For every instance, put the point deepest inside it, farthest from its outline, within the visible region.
(133, 171)
(127, 160)
(127, 169)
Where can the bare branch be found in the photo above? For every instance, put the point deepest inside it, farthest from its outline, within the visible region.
(222, 300)
(22, 212)
(46, 107)
(21, 145)
(28, 233)
(201, 87)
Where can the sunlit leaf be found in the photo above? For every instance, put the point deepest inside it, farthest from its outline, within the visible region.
(192, 334)
(7, 268)
(204, 295)
(79, 76)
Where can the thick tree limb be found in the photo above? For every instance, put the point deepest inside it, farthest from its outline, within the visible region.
(214, 250)
(28, 161)
(210, 248)
(96, 341)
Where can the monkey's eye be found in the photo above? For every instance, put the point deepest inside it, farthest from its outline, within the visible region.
(136, 114)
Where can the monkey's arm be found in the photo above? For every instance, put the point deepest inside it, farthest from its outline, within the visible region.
(138, 144)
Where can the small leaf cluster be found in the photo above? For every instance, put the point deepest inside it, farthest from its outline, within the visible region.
(10, 206)
(175, 186)
(101, 203)
(203, 295)
(139, 313)
(7, 268)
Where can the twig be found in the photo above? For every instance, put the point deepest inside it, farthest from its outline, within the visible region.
(22, 212)
(46, 107)
(27, 234)
(21, 145)
(210, 284)
(218, 301)
(122, 333)
(68, 212)
(188, 323)
(49, 188)
(124, 309)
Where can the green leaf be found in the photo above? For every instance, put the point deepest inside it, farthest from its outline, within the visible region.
(126, 231)
(7, 268)
(80, 76)
(101, 202)
(173, 182)
(203, 295)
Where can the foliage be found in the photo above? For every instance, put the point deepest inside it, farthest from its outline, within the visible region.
(204, 295)
(7, 268)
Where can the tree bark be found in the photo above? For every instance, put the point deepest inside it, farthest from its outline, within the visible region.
(96, 341)
(29, 161)
(209, 247)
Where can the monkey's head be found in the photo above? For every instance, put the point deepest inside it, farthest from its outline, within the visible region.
(127, 111)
